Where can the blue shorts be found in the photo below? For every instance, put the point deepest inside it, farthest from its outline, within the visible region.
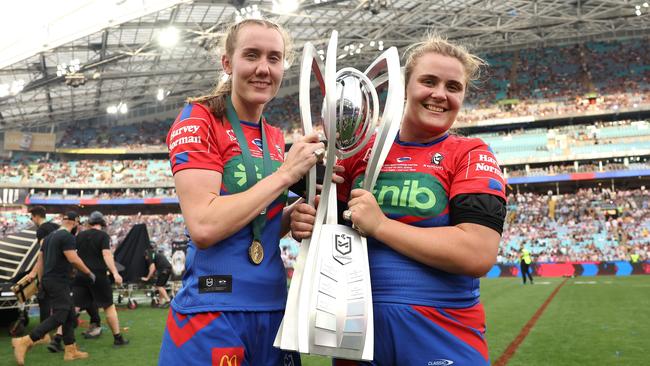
(428, 336)
(224, 339)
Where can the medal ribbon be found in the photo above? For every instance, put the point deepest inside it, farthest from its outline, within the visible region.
(249, 165)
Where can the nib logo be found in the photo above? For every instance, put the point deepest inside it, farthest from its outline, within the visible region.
(415, 194)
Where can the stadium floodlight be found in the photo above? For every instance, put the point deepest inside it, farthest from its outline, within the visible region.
(111, 109)
(123, 108)
(645, 5)
(17, 86)
(224, 78)
(285, 6)
(4, 90)
(161, 95)
(168, 37)
(249, 12)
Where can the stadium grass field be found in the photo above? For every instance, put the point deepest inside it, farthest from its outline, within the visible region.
(591, 321)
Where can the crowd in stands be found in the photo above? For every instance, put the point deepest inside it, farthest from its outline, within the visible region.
(103, 194)
(139, 135)
(634, 163)
(87, 172)
(595, 77)
(590, 225)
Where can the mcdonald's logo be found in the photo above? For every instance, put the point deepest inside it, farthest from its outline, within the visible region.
(229, 356)
(228, 360)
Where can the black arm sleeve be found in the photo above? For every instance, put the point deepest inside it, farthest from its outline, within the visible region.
(483, 209)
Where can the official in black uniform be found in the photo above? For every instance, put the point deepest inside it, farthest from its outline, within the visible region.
(93, 246)
(44, 228)
(159, 265)
(57, 256)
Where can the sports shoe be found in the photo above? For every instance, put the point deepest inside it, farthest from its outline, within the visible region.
(92, 332)
(55, 346)
(119, 342)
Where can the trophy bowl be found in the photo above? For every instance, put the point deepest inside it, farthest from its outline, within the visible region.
(356, 111)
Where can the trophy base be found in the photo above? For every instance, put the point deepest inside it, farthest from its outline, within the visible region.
(341, 313)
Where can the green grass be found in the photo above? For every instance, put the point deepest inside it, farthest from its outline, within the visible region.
(600, 323)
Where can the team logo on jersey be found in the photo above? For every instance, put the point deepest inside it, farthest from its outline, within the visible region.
(279, 149)
(228, 356)
(403, 159)
(258, 143)
(231, 135)
(437, 158)
(343, 246)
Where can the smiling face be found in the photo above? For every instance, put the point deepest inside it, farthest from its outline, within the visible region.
(256, 67)
(435, 92)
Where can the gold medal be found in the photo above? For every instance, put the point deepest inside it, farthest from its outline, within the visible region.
(256, 252)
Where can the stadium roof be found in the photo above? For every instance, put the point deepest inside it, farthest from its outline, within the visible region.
(112, 45)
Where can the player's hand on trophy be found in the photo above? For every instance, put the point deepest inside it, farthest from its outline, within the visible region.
(302, 221)
(303, 155)
(364, 212)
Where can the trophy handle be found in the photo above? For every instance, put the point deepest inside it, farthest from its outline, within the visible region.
(286, 337)
(304, 301)
(391, 116)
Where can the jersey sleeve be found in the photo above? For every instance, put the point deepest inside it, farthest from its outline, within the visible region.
(106, 242)
(68, 243)
(477, 170)
(192, 141)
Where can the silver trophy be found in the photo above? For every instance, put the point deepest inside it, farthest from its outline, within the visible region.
(329, 309)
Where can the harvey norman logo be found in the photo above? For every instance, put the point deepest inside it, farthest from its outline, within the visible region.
(482, 161)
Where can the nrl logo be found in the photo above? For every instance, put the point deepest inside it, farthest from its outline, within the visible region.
(343, 247)
(437, 158)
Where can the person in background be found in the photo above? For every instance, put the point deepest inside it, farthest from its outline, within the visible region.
(44, 228)
(93, 247)
(57, 256)
(158, 264)
(524, 265)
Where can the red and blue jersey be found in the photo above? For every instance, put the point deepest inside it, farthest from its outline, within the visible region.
(221, 277)
(415, 186)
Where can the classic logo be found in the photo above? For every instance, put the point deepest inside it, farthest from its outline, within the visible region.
(230, 356)
(209, 282)
(437, 158)
(403, 159)
(440, 362)
(231, 135)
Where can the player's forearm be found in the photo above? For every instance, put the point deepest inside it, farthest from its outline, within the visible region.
(467, 249)
(223, 216)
